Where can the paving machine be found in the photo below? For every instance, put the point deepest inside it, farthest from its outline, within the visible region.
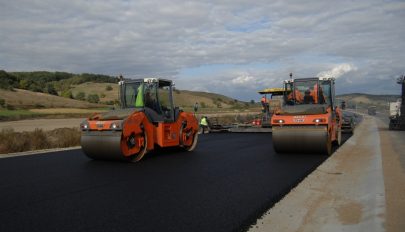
(146, 118)
(397, 109)
(310, 120)
(271, 101)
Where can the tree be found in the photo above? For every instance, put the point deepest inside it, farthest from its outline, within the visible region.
(34, 87)
(252, 102)
(67, 94)
(6, 81)
(81, 96)
(2, 102)
(24, 84)
(108, 88)
(93, 98)
(51, 89)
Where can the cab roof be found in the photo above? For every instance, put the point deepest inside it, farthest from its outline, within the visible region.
(273, 91)
(162, 82)
(309, 78)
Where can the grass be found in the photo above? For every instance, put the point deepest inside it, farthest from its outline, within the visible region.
(8, 115)
(66, 111)
(11, 141)
(24, 99)
(99, 89)
(13, 115)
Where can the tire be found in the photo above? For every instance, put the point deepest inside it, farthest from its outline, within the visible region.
(136, 157)
(195, 139)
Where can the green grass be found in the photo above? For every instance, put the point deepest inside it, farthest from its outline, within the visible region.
(11, 113)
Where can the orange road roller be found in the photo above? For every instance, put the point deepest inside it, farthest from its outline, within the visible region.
(310, 120)
(146, 118)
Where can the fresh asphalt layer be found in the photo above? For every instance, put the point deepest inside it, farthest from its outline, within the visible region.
(224, 185)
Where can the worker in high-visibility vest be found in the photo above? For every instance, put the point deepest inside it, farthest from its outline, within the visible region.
(265, 104)
(204, 124)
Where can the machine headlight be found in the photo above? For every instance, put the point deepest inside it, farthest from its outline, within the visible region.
(116, 125)
(319, 120)
(279, 121)
(84, 125)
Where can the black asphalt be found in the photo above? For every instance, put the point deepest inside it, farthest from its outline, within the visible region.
(224, 185)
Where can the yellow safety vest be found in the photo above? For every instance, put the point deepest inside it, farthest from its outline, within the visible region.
(204, 122)
(139, 97)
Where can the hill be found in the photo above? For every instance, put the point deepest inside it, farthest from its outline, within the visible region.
(24, 99)
(108, 92)
(362, 100)
(182, 98)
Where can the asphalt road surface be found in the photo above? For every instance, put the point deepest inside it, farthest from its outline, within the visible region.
(224, 185)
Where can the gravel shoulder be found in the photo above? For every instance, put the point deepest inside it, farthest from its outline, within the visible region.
(393, 160)
(356, 189)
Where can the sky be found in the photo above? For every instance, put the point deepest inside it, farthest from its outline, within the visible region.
(231, 47)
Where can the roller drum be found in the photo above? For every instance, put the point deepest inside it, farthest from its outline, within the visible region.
(102, 145)
(301, 139)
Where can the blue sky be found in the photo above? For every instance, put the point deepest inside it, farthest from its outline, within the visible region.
(231, 47)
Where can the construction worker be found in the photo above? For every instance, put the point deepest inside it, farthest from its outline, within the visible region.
(265, 104)
(298, 97)
(204, 124)
(308, 98)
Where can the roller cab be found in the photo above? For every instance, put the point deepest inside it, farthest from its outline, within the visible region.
(309, 121)
(147, 118)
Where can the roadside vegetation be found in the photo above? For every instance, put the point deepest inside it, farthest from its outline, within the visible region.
(11, 141)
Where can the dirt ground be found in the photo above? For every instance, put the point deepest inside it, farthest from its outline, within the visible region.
(393, 160)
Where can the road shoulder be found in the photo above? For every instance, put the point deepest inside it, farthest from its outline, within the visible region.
(393, 160)
(345, 193)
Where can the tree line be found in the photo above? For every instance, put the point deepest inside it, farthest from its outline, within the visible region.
(48, 82)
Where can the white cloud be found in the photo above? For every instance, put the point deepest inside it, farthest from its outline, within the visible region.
(243, 80)
(161, 38)
(338, 71)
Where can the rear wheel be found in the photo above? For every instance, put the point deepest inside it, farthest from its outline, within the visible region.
(186, 136)
(138, 156)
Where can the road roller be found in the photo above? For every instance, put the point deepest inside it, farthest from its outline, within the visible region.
(146, 119)
(310, 120)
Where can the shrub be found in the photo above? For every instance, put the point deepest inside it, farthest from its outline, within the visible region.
(11, 141)
(80, 96)
(67, 94)
(10, 107)
(93, 98)
(102, 95)
(108, 88)
(2, 102)
(51, 89)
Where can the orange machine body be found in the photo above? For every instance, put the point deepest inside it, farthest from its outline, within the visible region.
(147, 118)
(161, 133)
(310, 123)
